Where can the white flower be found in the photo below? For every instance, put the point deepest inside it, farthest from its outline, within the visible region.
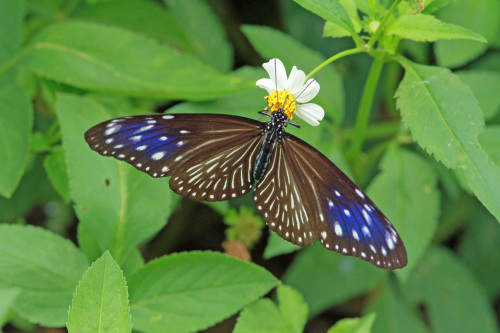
(292, 90)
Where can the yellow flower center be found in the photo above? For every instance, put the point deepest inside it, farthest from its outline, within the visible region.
(276, 101)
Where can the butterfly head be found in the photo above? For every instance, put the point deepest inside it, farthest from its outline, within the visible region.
(275, 128)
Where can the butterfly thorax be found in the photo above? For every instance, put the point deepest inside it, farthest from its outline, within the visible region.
(273, 131)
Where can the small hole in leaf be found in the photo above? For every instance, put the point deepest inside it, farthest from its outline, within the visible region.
(106, 181)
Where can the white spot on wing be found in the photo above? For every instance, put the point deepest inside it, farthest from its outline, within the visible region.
(112, 129)
(390, 243)
(338, 229)
(367, 216)
(145, 128)
(158, 155)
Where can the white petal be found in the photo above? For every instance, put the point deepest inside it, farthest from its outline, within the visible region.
(311, 90)
(277, 73)
(311, 113)
(295, 82)
(267, 84)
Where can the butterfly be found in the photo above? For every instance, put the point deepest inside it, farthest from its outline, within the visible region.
(300, 193)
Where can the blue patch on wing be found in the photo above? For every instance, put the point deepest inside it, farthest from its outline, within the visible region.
(148, 145)
(359, 229)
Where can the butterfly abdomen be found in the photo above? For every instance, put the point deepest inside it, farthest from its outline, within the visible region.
(272, 133)
(262, 161)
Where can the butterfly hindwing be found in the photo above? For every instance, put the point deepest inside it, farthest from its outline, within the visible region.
(195, 149)
(347, 221)
(279, 198)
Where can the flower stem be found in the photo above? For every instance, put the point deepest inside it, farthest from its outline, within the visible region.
(377, 33)
(335, 57)
(364, 109)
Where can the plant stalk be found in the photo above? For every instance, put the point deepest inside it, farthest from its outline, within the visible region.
(365, 106)
(335, 57)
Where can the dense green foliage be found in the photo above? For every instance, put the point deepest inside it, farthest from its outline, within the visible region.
(412, 114)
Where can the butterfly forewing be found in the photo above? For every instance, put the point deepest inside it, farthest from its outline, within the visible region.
(209, 157)
(219, 170)
(347, 221)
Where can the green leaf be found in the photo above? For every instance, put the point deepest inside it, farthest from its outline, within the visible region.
(145, 17)
(336, 278)
(7, 297)
(394, 314)
(289, 316)
(55, 167)
(480, 250)
(245, 104)
(34, 189)
(11, 33)
(109, 59)
(435, 5)
(406, 184)
(11, 28)
(293, 308)
(354, 325)
(192, 291)
(119, 206)
(427, 28)
(489, 141)
(271, 43)
(445, 119)
(100, 303)
(205, 32)
(480, 19)
(16, 123)
(330, 10)
(484, 85)
(451, 297)
(261, 316)
(45, 267)
(333, 30)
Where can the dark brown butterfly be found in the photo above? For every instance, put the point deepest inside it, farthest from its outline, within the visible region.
(301, 194)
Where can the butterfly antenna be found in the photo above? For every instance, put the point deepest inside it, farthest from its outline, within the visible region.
(305, 88)
(276, 78)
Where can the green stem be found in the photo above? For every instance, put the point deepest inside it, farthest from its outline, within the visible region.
(335, 57)
(357, 40)
(364, 109)
(381, 26)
